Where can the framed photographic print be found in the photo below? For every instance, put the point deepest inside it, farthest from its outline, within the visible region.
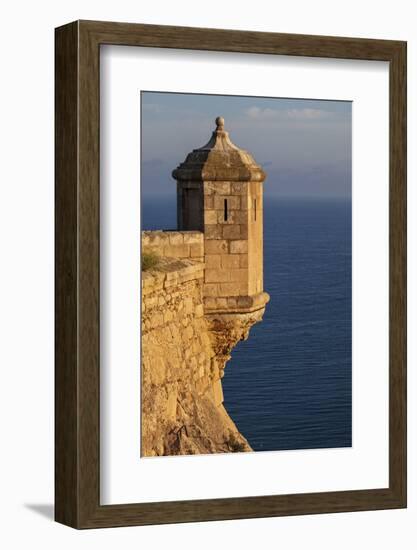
(230, 274)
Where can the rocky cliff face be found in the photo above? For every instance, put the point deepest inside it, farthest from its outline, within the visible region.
(184, 353)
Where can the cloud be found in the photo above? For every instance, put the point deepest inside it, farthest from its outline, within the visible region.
(302, 115)
(154, 108)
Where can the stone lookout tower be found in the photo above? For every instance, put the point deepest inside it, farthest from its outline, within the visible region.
(219, 192)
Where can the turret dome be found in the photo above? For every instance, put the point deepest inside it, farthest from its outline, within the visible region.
(219, 160)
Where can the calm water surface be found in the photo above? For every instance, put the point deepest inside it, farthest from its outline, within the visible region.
(289, 386)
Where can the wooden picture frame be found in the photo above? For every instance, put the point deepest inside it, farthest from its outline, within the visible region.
(77, 402)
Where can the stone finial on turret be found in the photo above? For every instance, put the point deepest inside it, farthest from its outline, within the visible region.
(220, 123)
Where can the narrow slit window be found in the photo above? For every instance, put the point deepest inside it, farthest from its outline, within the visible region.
(254, 209)
(225, 210)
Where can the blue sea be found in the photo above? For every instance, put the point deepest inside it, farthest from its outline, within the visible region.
(289, 386)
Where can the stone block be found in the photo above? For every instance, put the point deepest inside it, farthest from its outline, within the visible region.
(243, 260)
(197, 250)
(222, 303)
(239, 188)
(210, 217)
(216, 247)
(208, 201)
(177, 251)
(244, 202)
(217, 188)
(187, 277)
(238, 275)
(231, 232)
(213, 261)
(227, 289)
(176, 238)
(245, 301)
(239, 247)
(212, 231)
(244, 231)
(232, 302)
(216, 276)
(211, 290)
(193, 237)
(152, 238)
(210, 303)
(208, 190)
(230, 261)
(232, 289)
(240, 216)
(222, 187)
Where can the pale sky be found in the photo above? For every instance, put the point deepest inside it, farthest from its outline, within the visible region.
(303, 145)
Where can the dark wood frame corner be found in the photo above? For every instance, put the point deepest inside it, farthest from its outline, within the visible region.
(77, 405)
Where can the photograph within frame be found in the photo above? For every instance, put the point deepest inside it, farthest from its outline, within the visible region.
(290, 385)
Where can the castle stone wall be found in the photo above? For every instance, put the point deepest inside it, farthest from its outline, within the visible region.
(174, 244)
(182, 410)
